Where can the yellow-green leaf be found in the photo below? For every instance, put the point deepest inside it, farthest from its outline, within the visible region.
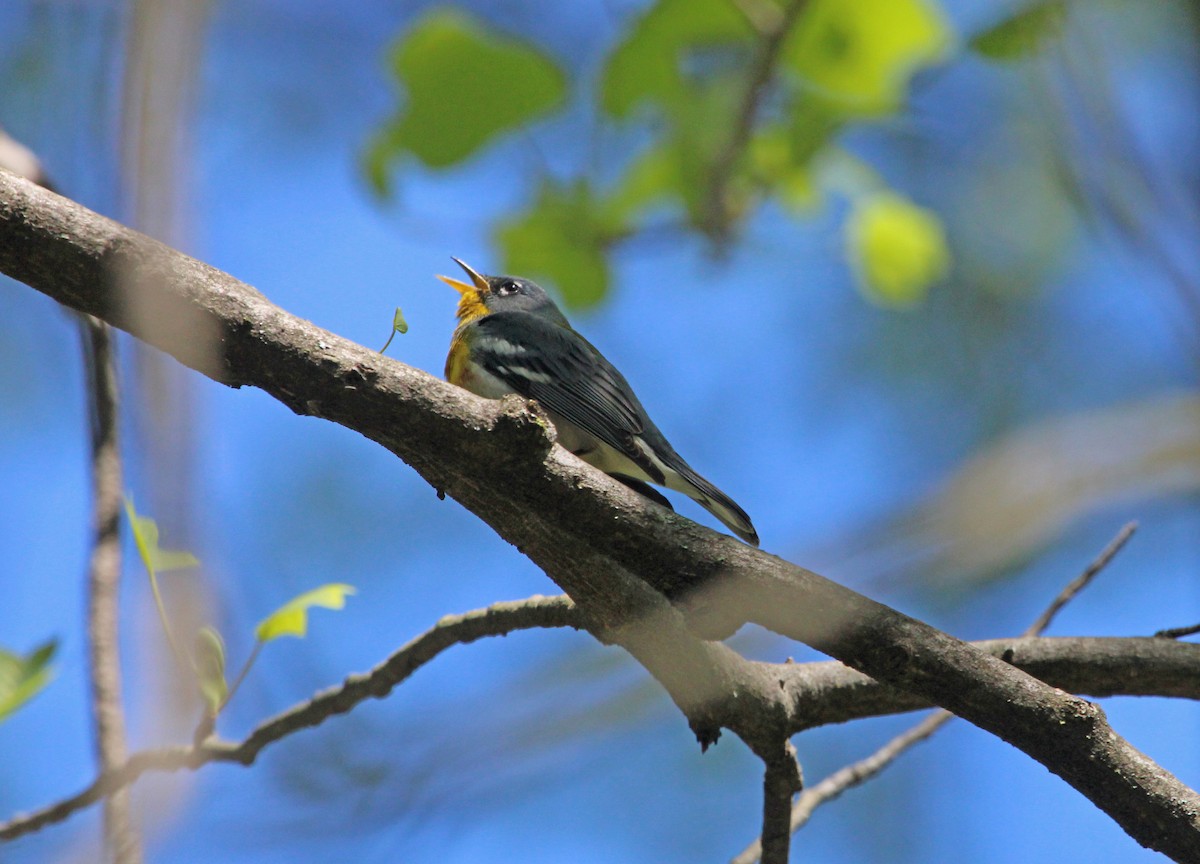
(773, 162)
(210, 668)
(862, 54)
(898, 249)
(145, 536)
(464, 84)
(23, 676)
(672, 36)
(1024, 34)
(291, 619)
(562, 238)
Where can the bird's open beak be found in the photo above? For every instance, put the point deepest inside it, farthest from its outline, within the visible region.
(480, 284)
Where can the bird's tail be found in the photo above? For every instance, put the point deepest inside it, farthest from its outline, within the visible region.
(682, 478)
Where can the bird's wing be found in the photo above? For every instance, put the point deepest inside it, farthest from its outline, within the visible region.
(556, 366)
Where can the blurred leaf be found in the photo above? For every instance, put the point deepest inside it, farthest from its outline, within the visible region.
(210, 668)
(22, 677)
(898, 249)
(291, 619)
(671, 39)
(145, 536)
(1021, 492)
(1014, 225)
(465, 85)
(776, 163)
(563, 239)
(1024, 34)
(652, 177)
(862, 54)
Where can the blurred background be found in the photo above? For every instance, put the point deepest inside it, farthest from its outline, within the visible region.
(918, 286)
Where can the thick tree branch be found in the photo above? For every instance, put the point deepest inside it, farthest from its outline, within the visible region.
(863, 770)
(825, 693)
(121, 840)
(781, 780)
(586, 532)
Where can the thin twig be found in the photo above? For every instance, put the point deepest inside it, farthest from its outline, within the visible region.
(1177, 632)
(241, 676)
(1038, 627)
(104, 572)
(845, 778)
(498, 619)
(758, 81)
(859, 772)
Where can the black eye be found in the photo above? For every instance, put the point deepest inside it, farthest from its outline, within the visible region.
(505, 289)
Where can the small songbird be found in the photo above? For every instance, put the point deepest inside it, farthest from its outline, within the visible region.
(512, 338)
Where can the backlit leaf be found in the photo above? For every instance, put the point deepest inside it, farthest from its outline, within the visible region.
(23, 676)
(464, 85)
(1024, 34)
(291, 619)
(210, 668)
(897, 248)
(674, 40)
(145, 536)
(862, 54)
(561, 239)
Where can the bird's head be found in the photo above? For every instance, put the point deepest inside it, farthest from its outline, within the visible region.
(484, 295)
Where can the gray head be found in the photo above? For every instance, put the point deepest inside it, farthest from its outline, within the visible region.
(485, 295)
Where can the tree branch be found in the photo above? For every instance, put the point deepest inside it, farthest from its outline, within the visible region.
(1093, 665)
(863, 770)
(1178, 632)
(498, 619)
(600, 542)
(774, 32)
(121, 839)
(781, 780)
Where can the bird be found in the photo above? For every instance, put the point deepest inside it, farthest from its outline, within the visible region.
(512, 338)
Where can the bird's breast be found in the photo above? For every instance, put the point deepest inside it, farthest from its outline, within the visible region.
(461, 370)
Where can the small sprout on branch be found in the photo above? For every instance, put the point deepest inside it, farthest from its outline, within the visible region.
(156, 560)
(399, 325)
(145, 535)
(210, 669)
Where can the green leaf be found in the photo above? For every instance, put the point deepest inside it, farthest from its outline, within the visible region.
(291, 619)
(862, 54)
(145, 536)
(776, 163)
(23, 676)
(399, 325)
(1024, 34)
(675, 39)
(897, 248)
(563, 239)
(210, 668)
(652, 177)
(465, 85)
